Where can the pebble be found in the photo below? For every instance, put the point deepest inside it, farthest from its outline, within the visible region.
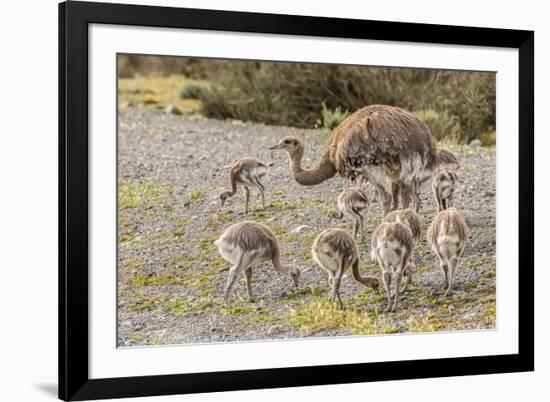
(475, 143)
(300, 228)
(275, 329)
(172, 109)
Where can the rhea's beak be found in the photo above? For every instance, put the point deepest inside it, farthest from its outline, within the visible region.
(295, 281)
(222, 201)
(276, 146)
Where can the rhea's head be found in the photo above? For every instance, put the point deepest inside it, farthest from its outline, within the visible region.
(292, 145)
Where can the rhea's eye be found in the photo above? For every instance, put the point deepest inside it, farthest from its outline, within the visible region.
(285, 141)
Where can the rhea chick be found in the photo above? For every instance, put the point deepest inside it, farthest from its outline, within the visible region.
(448, 234)
(247, 172)
(335, 251)
(392, 247)
(443, 186)
(413, 221)
(247, 244)
(354, 203)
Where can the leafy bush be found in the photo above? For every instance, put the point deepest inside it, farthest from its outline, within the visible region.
(330, 119)
(191, 90)
(488, 138)
(442, 125)
(462, 104)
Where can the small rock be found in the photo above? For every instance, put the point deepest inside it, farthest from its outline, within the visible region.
(273, 330)
(203, 158)
(172, 109)
(300, 228)
(214, 329)
(270, 219)
(475, 143)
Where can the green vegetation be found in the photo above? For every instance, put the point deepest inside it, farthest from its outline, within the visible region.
(192, 89)
(215, 221)
(146, 304)
(239, 310)
(319, 315)
(442, 125)
(162, 279)
(195, 195)
(294, 94)
(159, 92)
(330, 119)
(140, 194)
(457, 105)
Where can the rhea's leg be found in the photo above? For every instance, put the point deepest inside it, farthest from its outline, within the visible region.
(395, 196)
(386, 277)
(417, 203)
(262, 189)
(407, 274)
(246, 199)
(385, 197)
(363, 228)
(248, 280)
(445, 269)
(336, 286)
(405, 192)
(229, 284)
(398, 274)
(453, 262)
(234, 271)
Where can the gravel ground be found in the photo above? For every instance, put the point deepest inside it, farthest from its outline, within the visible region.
(171, 170)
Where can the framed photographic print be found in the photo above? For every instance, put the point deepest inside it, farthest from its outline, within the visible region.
(258, 201)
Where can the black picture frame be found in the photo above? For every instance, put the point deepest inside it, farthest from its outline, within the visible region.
(74, 18)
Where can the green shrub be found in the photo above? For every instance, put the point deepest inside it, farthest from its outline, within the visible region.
(462, 103)
(442, 125)
(330, 119)
(191, 90)
(488, 138)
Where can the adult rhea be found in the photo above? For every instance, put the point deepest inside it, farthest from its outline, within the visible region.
(383, 144)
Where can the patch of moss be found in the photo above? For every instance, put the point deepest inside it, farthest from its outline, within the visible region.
(239, 310)
(162, 279)
(305, 291)
(320, 315)
(125, 237)
(195, 195)
(214, 221)
(146, 304)
(284, 205)
(180, 221)
(135, 337)
(140, 194)
(265, 318)
(130, 265)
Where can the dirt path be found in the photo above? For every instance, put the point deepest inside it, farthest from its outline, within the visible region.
(171, 278)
